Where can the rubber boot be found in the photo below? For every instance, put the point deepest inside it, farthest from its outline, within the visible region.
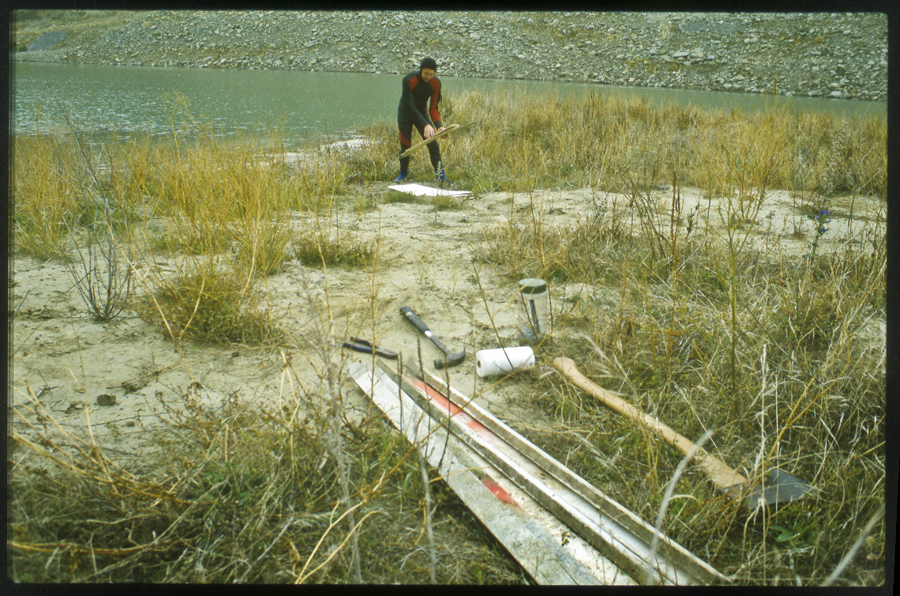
(441, 177)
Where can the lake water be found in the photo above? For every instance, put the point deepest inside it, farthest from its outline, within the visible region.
(125, 100)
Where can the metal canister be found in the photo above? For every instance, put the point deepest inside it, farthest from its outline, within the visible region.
(534, 309)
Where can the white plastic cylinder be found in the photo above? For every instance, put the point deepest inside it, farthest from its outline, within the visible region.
(502, 361)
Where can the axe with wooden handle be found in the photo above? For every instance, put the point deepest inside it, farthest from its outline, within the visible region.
(780, 487)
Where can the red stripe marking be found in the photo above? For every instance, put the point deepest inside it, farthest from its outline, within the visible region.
(445, 403)
(436, 396)
(434, 93)
(498, 492)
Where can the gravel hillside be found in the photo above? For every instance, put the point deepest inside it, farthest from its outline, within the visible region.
(822, 55)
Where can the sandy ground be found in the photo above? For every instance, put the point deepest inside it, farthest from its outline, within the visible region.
(71, 363)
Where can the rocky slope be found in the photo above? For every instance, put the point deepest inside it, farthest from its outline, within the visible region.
(822, 55)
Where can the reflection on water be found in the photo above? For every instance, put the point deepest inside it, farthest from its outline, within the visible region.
(127, 100)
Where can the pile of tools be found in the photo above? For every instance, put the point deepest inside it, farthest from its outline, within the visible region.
(559, 527)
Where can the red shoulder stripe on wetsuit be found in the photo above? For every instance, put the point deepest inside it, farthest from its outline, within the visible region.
(435, 99)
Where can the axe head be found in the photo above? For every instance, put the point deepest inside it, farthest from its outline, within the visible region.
(779, 487)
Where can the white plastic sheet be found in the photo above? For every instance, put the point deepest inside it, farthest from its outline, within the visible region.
(427, 191)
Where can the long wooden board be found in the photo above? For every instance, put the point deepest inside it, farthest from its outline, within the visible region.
(435, 137)
(539, 541)
(610, 528)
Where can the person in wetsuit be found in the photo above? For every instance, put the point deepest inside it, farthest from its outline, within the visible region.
(418, 88)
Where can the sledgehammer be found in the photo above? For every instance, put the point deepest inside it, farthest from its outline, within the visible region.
(451, 358)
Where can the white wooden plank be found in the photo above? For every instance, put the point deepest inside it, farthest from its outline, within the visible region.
(619, 545)
(507, 511)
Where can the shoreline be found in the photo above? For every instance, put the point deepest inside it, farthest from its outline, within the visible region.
(840, 56)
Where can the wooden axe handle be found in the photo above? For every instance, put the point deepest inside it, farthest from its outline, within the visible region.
(724, 477)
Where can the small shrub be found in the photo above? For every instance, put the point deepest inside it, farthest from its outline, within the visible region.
(104, 280)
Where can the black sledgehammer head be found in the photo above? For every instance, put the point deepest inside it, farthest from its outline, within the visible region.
(451, 358)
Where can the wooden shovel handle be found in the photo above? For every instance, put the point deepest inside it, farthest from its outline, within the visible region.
(724, 477)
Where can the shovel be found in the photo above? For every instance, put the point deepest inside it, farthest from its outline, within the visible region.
(779, 487)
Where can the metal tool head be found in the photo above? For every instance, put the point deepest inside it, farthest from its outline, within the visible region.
(779, 487)
(452, 359)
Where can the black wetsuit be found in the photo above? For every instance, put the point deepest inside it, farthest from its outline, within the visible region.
(414, 111)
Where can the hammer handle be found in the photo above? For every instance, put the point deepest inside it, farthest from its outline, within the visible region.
(718, 472)
(421, 326)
